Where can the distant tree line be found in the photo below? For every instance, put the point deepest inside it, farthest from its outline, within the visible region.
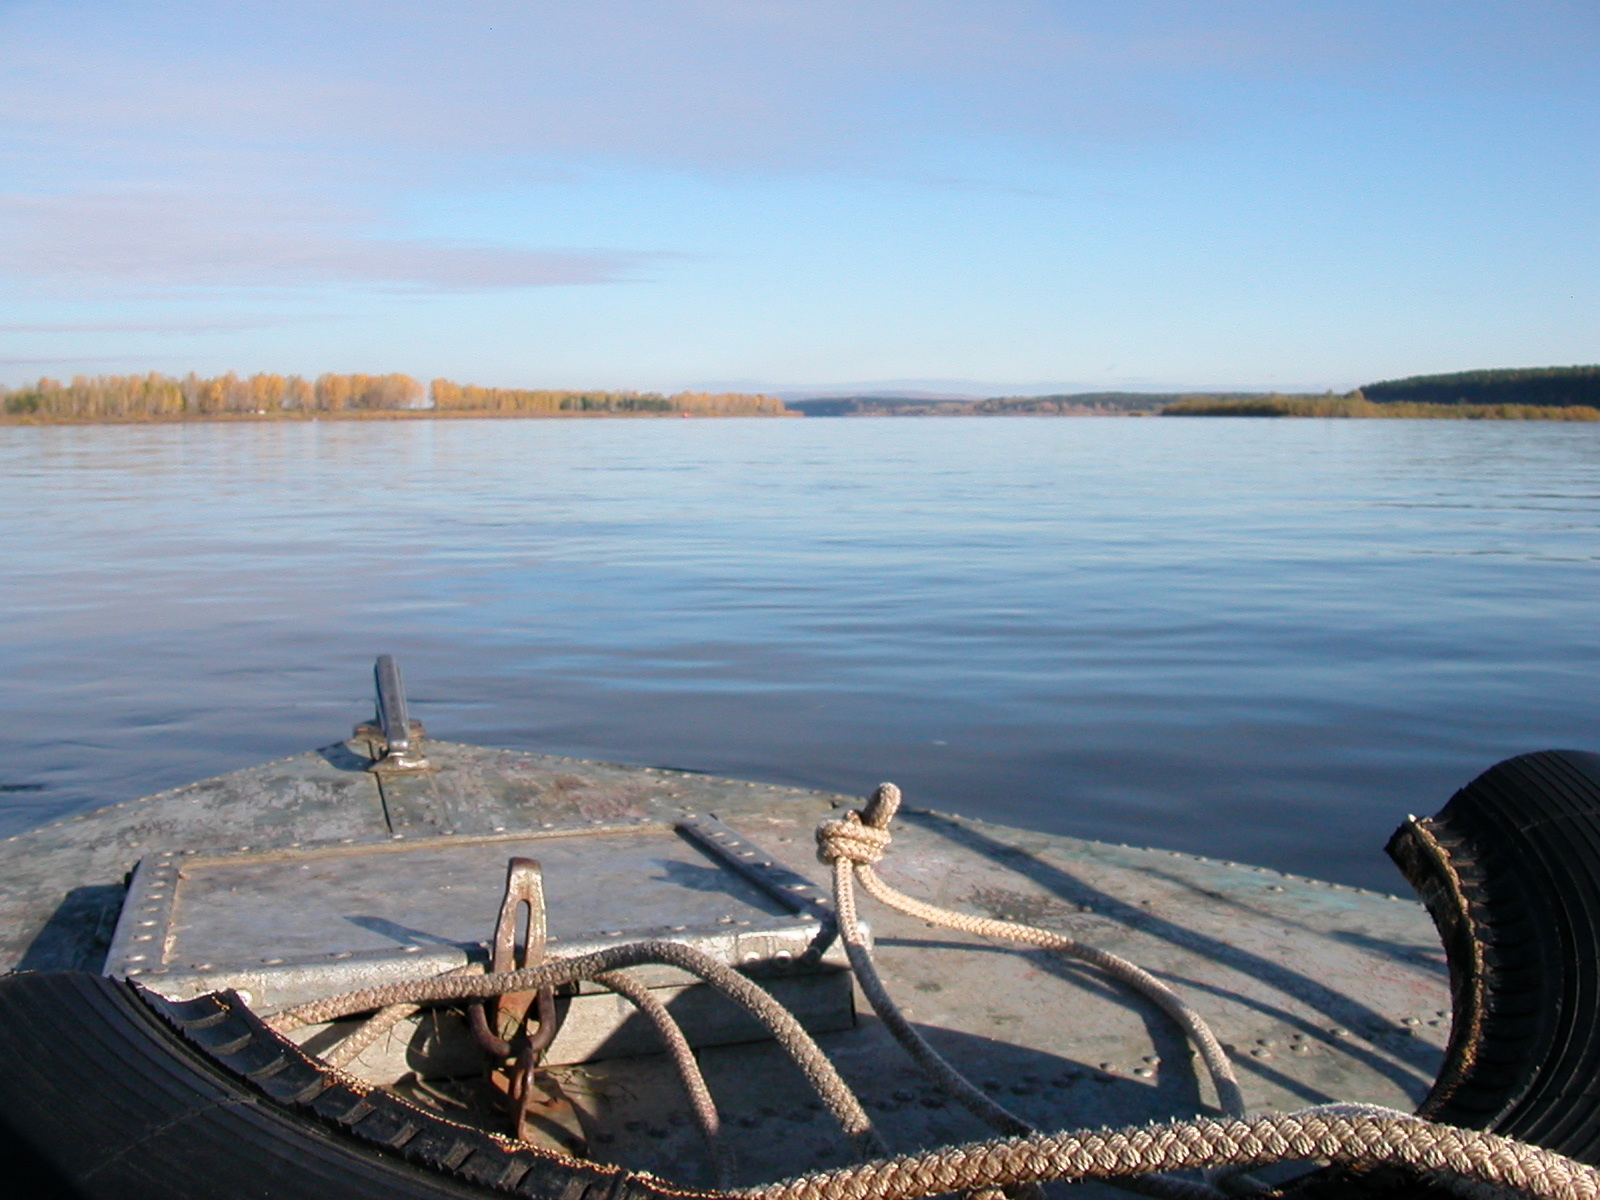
(158, 397)
(1085, 404)
(1354, 404)
(469, 397)
(1072, 404)
(135, 396)
(1562, 393)
(1075, 404)
(1548, 393)
(1527, 385)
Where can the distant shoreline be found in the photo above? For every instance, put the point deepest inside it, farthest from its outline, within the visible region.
(1265, 409)
(1513, 394)
(1358, 409)
(155, 398)
(376, 414)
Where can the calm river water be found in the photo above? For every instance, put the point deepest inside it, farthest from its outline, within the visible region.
(1261, 640)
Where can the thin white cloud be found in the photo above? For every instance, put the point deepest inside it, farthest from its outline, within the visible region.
(179, 326)
(169, 239)
(711, 84)
(69, 361)
(200, 146)
(276, 144)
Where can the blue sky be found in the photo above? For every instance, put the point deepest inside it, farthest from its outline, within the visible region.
(988, 197)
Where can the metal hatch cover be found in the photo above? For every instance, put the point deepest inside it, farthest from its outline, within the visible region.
(286, 926)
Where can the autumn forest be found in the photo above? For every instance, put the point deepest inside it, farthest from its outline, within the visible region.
(155, 397)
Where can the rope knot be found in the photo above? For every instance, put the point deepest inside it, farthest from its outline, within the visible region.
(851, 839)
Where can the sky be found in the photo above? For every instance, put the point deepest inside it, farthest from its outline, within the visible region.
(996, 197)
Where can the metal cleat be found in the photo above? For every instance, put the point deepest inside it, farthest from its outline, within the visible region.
(541, 1114)
(400, 737)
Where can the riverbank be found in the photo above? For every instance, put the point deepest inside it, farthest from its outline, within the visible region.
(381, 414)
(156, 397)
(1267, 407)
(1356, 407)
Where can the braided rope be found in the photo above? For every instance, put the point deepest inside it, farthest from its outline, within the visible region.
(381, 1022)
(932, 1063)
(853, 844)
(1110, 1154)
(832, 1090)
(859, 839)
(683, 1059)
(369, 1031)
(1468, 1161)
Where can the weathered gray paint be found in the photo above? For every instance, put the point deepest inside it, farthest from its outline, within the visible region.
(1324, 992)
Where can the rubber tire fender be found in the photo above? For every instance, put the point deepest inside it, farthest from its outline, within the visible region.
(118, 1094)
(1509, 869)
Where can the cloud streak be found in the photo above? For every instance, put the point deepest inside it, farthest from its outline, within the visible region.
(709, 84)
(67, 360)
(177, 325)
(173, 240)
(702, 84)
(192, 146)
(185, 147)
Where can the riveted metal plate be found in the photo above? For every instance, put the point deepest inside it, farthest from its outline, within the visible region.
(288, 926)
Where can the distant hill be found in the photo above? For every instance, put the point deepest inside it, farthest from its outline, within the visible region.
(1529, 385)
(1499, 393)
(1074, 404)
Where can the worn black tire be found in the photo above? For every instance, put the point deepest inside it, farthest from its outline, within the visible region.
(110, 1095)
(1510, 870)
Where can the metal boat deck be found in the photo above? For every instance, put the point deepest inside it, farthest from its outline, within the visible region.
(1321, 992)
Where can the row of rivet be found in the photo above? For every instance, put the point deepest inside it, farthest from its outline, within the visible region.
(1303, 879)
(163, 877)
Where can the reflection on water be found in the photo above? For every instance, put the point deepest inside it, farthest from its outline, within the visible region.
(1262, 640)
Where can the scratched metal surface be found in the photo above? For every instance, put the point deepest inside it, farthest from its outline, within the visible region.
(1322, 992)
(251, 907)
